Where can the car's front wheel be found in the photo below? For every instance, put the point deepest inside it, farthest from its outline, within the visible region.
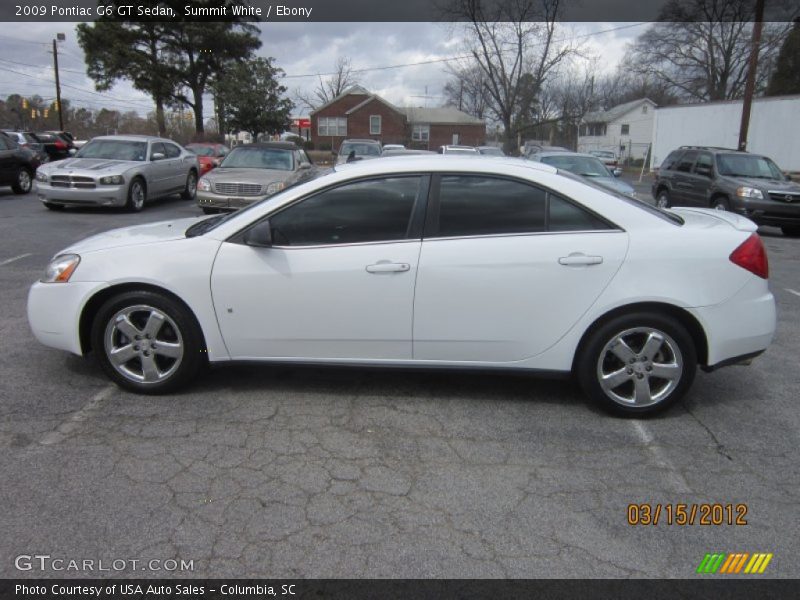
(137, 193)
(637, 364)
(662, 200)
(720, 203)
(791, 230)
(190, 191)
(147, 342)
(23, 182)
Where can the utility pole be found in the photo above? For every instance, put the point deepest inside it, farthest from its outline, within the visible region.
(60, 37)
(750, 85)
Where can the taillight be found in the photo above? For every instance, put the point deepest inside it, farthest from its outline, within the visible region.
(752, 255)
(60, 145)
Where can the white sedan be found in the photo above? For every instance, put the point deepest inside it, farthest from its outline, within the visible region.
(423, 261)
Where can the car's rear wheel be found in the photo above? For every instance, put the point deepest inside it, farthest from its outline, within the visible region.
(52, 206)
(147, 342)
(190, 191)
(137, 193)
(662, 200)
(791, 230)
(720, 203)
(23, 182)
(637, 364)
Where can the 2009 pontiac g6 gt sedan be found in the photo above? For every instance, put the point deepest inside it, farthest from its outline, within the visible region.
(423, 261)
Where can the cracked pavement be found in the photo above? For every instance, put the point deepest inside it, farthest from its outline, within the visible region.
(316, 472)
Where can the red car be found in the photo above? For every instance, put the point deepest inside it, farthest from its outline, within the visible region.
(209, 155)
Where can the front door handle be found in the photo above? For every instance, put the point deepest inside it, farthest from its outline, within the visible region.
(388, 267)
(579, 259)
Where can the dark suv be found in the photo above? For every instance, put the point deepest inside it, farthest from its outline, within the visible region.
(724, 179)
(17, 165)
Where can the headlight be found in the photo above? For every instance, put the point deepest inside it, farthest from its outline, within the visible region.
(61, 268)
(274, 188)
(41, 177)
(748, 192)
(204, 184)
(112, 180)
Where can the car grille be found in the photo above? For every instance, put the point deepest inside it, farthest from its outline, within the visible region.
(784, 196)
(238, 189)
(70, 181)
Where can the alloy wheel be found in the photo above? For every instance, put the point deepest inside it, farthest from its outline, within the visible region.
(24, 180)
(143, 344)
(640, 367)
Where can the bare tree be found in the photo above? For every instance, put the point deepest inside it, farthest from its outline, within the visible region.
(513, 43)
(329, 87)
(466, 90)
(701, 48)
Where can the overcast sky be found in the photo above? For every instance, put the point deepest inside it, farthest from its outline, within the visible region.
(299, 48)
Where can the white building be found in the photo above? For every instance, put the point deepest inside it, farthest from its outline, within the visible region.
(626, 129)
(774, 128)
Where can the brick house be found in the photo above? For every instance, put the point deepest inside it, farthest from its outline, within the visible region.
(356, 113)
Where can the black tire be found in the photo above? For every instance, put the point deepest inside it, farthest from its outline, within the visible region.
(720, 203)
(177, 328)
(51, 206)
(23, 182)
(136, 201)
(210, 211)
(663, 200)
(676, 348)
(791, 230)
(190, 189)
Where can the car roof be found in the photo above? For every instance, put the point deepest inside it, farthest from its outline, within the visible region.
(133, 138)
(558, 153)
(273, 145)
(439, 162)
(360, 141)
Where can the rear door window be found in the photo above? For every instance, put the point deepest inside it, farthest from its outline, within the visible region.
(686, 161)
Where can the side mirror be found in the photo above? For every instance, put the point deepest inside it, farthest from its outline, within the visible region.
(304, 166)
(259, 236)
(72, 151)
(157, 156)
(617, 172)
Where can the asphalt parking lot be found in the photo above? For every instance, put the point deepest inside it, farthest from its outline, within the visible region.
(310, 472)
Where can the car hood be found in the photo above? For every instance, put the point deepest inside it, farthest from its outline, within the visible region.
(88, 166)
(236, 175)
(613, 183)
(771, 184)
(130, 236)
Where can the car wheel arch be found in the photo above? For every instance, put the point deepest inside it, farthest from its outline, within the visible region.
(685, 318)
(718, 195)
(93, 305)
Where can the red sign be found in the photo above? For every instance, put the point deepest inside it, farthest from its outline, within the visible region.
(302, 123)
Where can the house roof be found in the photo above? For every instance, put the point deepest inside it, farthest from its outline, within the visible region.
(448, 115)
(606, 116)
(353, 89)
(370, 99)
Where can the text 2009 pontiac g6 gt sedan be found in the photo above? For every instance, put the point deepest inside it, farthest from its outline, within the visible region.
(423, 261)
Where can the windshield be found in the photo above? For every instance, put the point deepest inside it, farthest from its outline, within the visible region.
(748, 165)
(114, 150)
(202, 150)
(360, 149)
(243, 157)
(580, 165)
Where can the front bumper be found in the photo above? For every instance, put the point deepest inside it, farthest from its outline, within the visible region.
(212, 200)
(54, 311)
(102, 195)
(768, 211)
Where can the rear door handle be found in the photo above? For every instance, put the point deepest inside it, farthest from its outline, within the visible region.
(388, 267)
(578, 259)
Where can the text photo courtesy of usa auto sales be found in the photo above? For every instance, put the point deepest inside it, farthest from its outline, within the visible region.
(463, 299)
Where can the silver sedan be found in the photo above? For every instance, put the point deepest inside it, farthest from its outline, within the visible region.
(120, 170)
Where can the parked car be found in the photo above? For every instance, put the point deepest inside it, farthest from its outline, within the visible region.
(729, 180)
(428, 261)
(17, 165)
(251, 173)
(587, 166)
(393, 147)
(404, 152)
(491, 151)
(56, 145)
(119, 170)
(353, 150)
(607, 156)
(532, 149)
(27, 140)
(209, 155)
(457, 149)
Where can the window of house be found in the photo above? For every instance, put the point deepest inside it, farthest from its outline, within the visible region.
(332, 126)
(421, 133)
(626, 129)
(644, 109)
(375, 125)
